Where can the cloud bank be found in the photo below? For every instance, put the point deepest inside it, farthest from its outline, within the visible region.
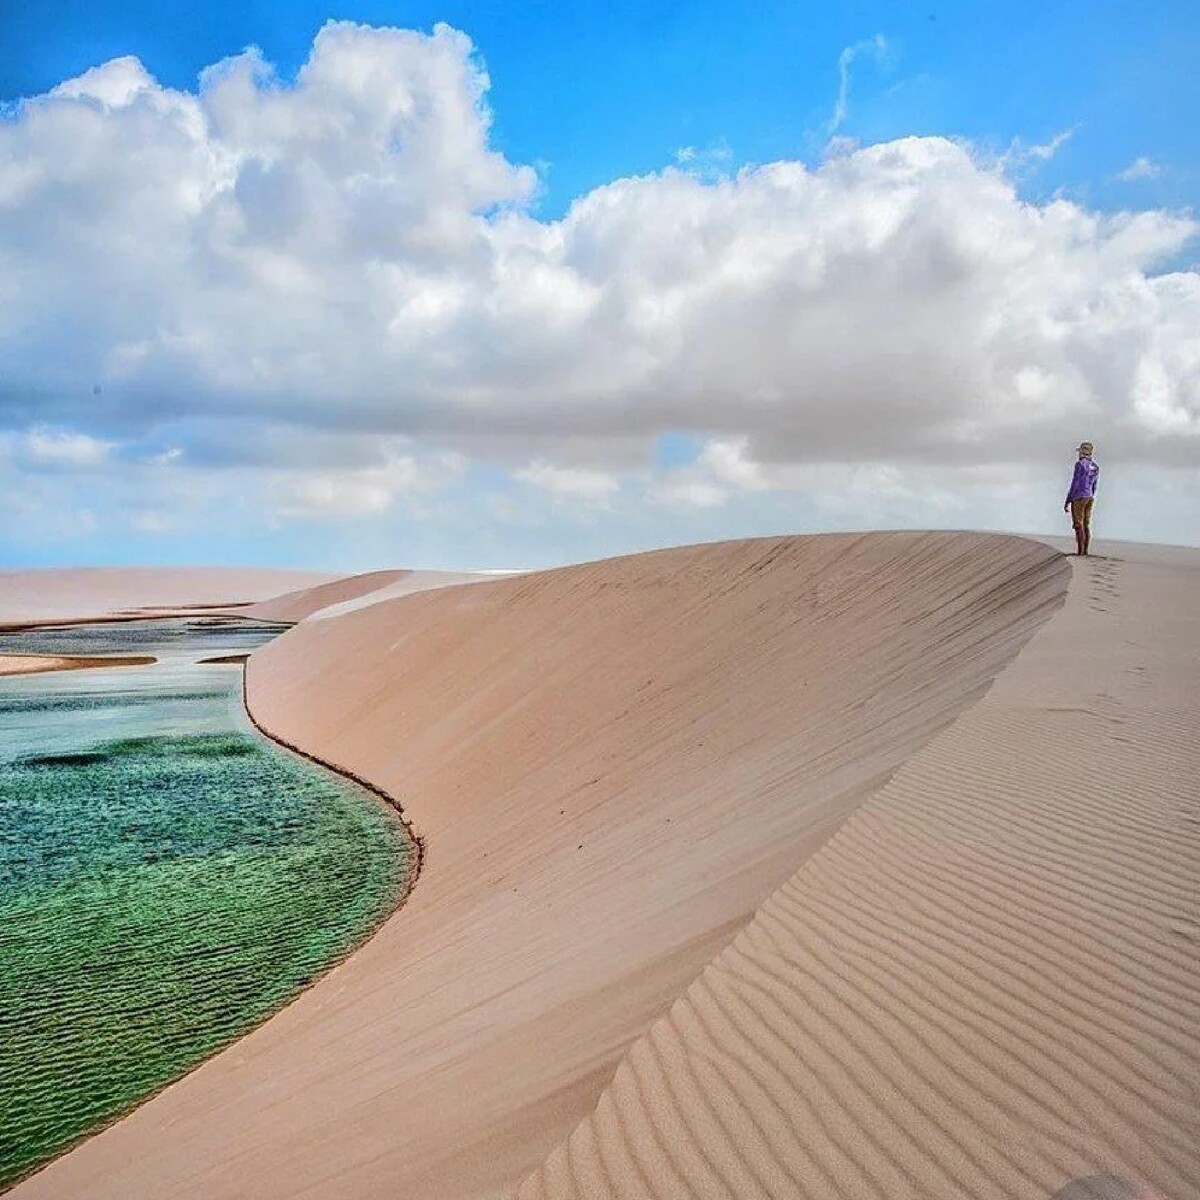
(337, 291)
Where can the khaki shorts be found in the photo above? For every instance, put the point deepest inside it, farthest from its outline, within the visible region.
(1081, 513)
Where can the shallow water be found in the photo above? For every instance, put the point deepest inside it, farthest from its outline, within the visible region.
(168, 877)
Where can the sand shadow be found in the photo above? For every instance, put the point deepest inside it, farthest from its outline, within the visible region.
(1097, 1187)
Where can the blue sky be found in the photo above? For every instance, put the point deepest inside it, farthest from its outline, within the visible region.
(521, 452)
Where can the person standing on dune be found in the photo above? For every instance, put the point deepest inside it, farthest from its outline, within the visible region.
(1081, 495)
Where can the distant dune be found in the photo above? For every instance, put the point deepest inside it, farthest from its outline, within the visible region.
(612, 767)
(53, 594)
(351, 592)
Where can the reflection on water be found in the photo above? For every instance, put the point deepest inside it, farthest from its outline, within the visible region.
(167, 876)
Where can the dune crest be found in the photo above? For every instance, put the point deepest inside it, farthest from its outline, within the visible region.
(612, 766)
(354, 591)
(986, 984)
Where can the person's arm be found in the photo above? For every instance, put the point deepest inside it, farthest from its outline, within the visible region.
(1071, 487)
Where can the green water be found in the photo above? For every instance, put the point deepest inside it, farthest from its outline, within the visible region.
(168, 877)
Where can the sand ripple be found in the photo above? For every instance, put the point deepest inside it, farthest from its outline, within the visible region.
(986, 985)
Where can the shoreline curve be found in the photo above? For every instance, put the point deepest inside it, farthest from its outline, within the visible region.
(392, 802)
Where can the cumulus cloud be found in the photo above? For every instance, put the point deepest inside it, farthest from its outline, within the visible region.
(276, 277)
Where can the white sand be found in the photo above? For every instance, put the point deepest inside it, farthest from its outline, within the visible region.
(987, 984)
(355, 591)
(613, 766)
(54, 594)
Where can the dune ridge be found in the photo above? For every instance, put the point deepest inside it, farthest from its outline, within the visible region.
(340, 595)
(986, 984)
(299, 604)
(352, 592)
(612, 766)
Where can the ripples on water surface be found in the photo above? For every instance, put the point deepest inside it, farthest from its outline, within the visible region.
(167, 876)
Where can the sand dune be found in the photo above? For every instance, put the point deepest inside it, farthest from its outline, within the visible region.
(343, 595)
(52, 594)
(37, 664)
(986, 985)
(612, 766)
(413, 581)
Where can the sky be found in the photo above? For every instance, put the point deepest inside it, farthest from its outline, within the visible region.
(513, 284)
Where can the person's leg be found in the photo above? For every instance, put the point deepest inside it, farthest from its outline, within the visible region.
(1087, 525)
(1077, 523)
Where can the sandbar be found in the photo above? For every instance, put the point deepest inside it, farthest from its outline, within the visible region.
(37, 664)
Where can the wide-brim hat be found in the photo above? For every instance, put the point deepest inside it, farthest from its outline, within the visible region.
(1086, 447)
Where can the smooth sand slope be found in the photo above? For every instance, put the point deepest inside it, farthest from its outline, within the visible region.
(612, 766)
(53, 594)
(987, 985)
(354, 591)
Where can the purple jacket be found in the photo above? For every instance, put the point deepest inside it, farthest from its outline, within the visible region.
(1083, 482)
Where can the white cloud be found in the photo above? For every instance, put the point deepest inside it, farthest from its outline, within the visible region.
(722, 471)
(686, 489)
(335, 494)
(727, 461)
(282, 280)
(1141, 168)
(114, 85)
(705, 162)
(1044, 151)
(593, 487)
(877, 47)
(43, 446)
(361, 491)
(1023, 158)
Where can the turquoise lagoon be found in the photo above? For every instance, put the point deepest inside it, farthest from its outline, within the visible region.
(168, 877)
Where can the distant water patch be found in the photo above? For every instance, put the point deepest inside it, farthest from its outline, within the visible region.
(168, 877)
